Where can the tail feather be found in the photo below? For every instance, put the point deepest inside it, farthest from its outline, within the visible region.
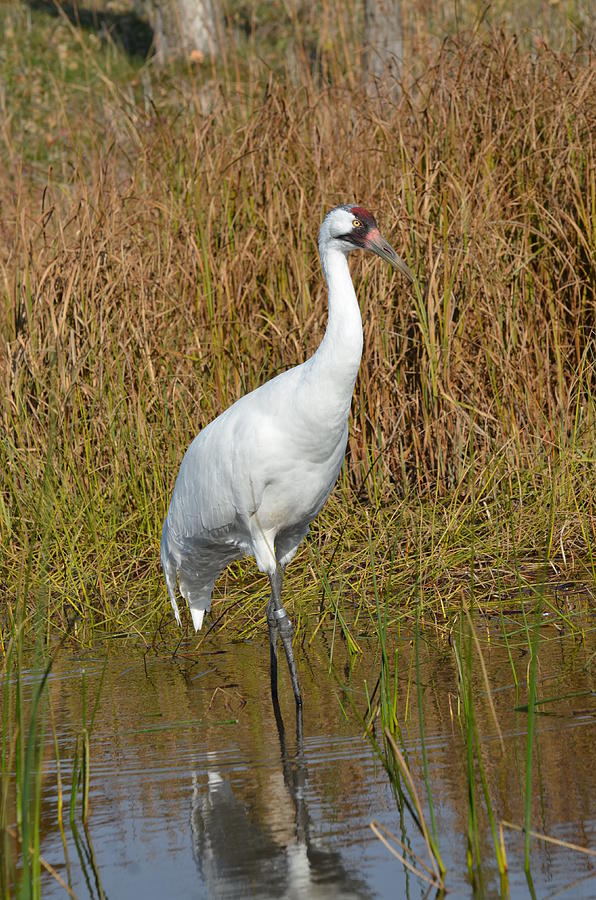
(192, 564)
(170, 573)
(197, 617)
(196, 593)
(170, 570)
(180, 572)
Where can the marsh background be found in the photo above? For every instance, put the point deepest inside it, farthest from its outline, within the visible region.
(158, 258)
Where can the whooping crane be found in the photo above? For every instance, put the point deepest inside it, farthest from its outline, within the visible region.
(256, 476)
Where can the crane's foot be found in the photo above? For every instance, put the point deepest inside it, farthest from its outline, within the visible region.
(281, 627)
(286, 633)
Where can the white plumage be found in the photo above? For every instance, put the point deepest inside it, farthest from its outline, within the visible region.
(254, 478)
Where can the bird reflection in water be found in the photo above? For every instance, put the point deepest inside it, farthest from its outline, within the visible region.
(239, 856)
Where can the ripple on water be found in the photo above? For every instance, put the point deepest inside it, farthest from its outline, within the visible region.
(193, 793)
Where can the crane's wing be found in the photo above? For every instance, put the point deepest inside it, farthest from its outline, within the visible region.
(218, 489)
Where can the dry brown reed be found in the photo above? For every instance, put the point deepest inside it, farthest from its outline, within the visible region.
(166, 262)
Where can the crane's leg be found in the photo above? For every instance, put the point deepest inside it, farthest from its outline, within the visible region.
(273, 636)
(280, 626)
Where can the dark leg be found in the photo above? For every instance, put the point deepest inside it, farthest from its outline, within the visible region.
(273, 635)
(280, 626)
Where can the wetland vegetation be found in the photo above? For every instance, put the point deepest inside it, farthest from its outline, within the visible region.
(158, 259)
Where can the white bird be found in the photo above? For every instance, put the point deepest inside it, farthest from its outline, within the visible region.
(256, 476)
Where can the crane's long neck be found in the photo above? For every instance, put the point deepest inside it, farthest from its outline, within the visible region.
(337, 359)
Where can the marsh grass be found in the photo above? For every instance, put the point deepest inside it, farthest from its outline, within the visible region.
(395, 716)
(23, 773)
(21, 766)
(395, 723)
(160, 260)
(26, 666)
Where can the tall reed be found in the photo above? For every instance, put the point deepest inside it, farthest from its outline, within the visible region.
(165, 262)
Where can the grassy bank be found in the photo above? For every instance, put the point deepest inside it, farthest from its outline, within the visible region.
(158, 259)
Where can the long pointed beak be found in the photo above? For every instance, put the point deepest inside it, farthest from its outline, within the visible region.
(377, 244)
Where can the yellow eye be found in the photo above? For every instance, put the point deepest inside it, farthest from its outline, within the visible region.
(356, 223)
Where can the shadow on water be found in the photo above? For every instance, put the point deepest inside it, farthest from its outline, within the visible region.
(197, 789)
(125, 29)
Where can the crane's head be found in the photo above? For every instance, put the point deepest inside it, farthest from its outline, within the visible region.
(354, 228)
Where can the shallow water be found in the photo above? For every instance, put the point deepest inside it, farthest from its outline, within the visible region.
(196, 792)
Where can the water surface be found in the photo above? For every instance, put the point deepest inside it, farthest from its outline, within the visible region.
(196, 792)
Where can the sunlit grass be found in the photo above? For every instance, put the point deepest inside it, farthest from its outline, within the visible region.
(158, 259)
(165, 262)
